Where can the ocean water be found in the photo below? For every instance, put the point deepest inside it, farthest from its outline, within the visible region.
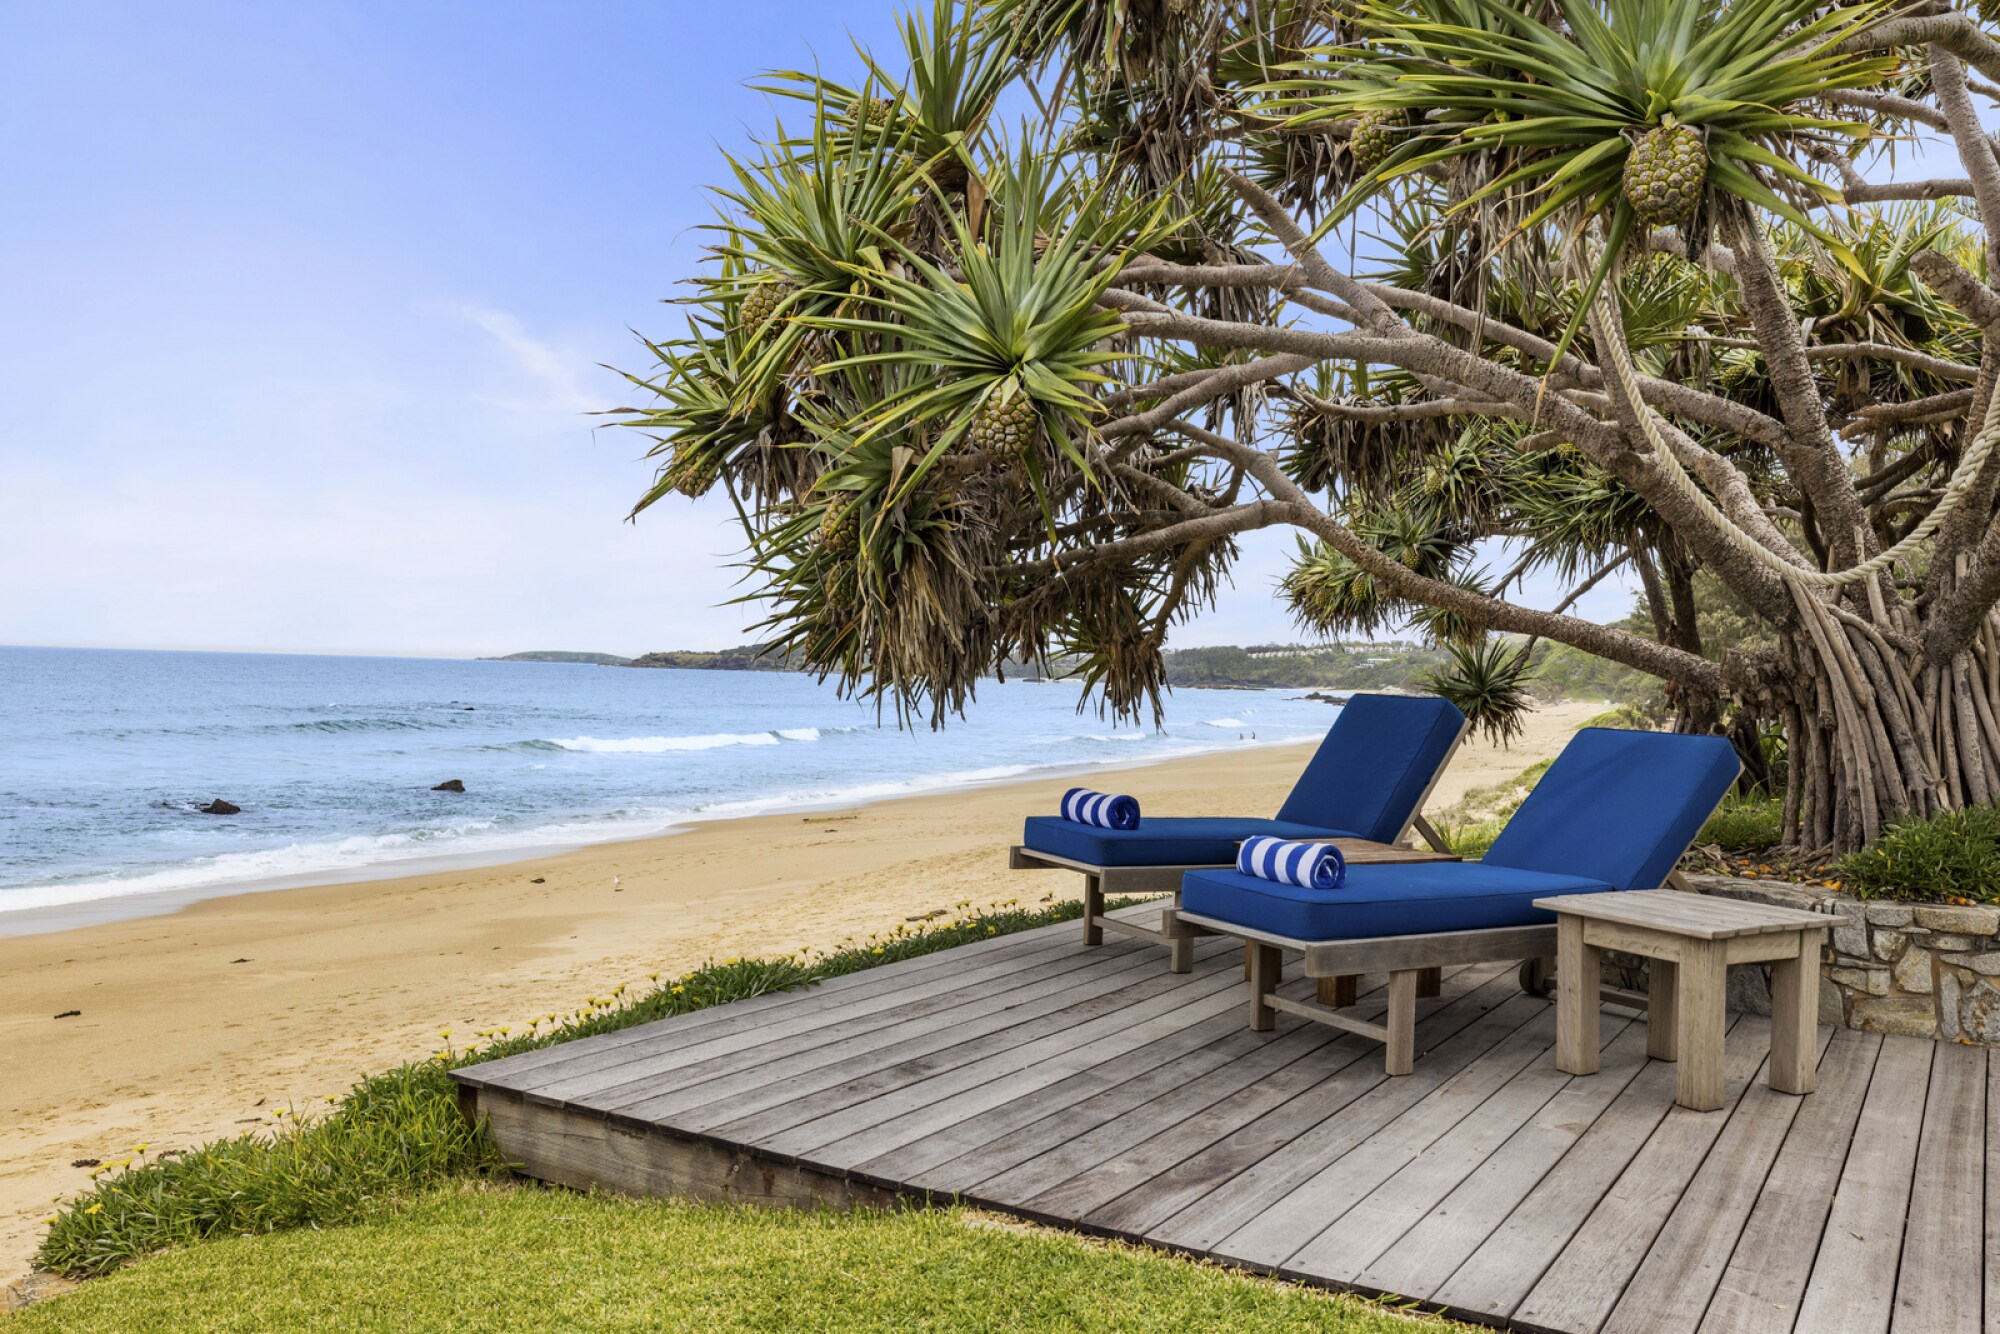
(106, 756)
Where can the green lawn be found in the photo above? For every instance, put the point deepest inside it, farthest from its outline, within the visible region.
(516, 1258)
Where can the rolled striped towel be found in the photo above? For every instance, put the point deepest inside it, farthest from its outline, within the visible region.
(1101, 809)
(1309, 865)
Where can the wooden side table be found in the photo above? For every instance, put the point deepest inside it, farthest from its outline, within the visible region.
(1691, 940)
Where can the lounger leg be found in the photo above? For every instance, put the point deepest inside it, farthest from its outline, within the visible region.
(1700, 1024)
(1663, 988)
(1180, 942)
(1093, 908)
(1401, 1021)
(1430, 982)
(1267, 962)
(1795, 1018)
(1336, 992)
(1577, 1032)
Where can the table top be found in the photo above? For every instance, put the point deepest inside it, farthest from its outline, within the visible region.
(1361, 852)
(1679, 913)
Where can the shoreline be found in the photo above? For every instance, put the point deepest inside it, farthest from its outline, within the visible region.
(199, 1023)
(102, 909)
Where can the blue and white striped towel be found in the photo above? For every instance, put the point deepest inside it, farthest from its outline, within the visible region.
(1309, 865)
(1107, 812)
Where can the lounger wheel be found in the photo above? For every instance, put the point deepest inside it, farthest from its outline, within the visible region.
(1537, 978)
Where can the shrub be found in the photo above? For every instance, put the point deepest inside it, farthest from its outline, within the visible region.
(398, 1132)
(1745, 823)
(1954, 855)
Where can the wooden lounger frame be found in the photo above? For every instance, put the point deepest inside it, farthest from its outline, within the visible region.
(1406, 959)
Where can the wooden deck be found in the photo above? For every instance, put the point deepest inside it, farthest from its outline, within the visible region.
(1091, 1088)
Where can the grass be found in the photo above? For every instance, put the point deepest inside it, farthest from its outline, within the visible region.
(1952, 857)
(522, 1258)
(398, 1133)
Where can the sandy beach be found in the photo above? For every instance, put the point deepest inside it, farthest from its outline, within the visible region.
(198, 1023)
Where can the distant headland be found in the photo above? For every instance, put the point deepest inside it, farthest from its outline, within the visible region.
(1562, 673)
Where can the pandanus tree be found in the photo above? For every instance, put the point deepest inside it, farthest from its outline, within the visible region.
(1001, 345)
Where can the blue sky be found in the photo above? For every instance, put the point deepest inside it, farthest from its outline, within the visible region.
(306, 304)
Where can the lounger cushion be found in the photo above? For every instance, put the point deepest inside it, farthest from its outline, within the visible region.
(1382, 900)
(1375, 765)
(1159, 841)
(1618, 806)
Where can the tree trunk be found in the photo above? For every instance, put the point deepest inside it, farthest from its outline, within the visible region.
(1876, 733)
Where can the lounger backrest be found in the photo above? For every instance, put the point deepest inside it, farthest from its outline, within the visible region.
(1618, 806)
(1375, 765)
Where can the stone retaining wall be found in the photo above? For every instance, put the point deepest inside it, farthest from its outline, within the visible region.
(1929, 970)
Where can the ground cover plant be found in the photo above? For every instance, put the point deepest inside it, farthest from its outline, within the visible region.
(399, 1132)
(523, 1258)
(1951, 857)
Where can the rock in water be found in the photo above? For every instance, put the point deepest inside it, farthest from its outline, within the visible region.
(450, 785)
(221, 807)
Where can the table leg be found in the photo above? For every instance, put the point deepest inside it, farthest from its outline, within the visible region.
(1093, 908)
(1699, 1025)
(1795, 1018)
(1577, 1032)
(1266, 965)
(1663, 979)
(1401, 1021)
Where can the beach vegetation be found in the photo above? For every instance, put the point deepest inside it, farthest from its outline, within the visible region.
(1950, 857)
(397, 1133)
(1473, 297)
(493, 1257)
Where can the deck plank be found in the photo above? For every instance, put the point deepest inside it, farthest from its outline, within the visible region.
(1992, 1192)
(1420, 1260)
(1345, 1250)
(1093, 1166)
(1585, 1282)
(896, 980)
(735, 1087)
(1939, 1287)
(1150, 1202)
(802, 1024)
(1853, 1283)
(1671, 1290)
(927, 1085)
(1760, 1289)
(1285, 1229)
(911, 1113)
(982, 1145)
(1204, 1222)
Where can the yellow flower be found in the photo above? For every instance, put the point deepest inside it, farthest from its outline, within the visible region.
(678, 989)
(138, 1148)
(445, 1034)
(95, 1209)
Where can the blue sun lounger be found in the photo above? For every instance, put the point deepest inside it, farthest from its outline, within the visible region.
(1368, 779)
(1614, 812)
